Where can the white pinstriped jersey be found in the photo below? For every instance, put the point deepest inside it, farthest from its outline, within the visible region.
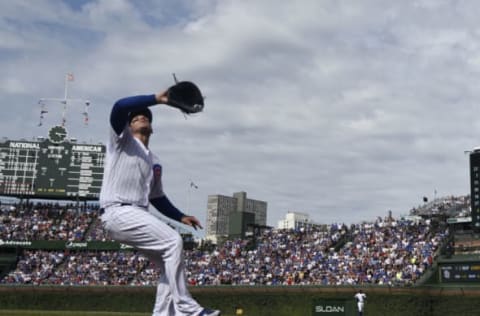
(132, 174)
(361, 297)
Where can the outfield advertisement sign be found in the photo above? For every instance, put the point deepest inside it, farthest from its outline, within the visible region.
(459, 272)
(331, 307)
(61, 244)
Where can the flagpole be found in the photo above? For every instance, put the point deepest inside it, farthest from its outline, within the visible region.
(66, 85)
(65, 101)
(64, 120)
(188, 197)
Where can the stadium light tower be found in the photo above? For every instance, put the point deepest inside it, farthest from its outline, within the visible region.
(69, 77)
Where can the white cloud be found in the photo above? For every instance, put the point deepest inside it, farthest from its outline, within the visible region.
(337, 108)
(12, 86)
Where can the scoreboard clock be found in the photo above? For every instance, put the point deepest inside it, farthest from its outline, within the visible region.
(57, 134)
(51, 168)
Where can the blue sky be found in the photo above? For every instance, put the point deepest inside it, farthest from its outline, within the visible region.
(340, 109)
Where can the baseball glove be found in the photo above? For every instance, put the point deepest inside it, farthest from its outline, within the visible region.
(186, 97)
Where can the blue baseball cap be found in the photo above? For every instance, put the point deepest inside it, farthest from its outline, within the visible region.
(145, 111)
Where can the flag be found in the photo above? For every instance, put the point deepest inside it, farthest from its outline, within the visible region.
(193, 185)
(70, 77)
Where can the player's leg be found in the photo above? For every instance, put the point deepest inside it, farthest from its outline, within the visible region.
(146, 232)
(360, 308)
(172, 291)
(163, 301)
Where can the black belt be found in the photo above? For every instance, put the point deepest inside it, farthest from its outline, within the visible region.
(102, 210)
(130, 204)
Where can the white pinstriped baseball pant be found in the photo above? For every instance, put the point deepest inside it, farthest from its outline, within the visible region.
(135, 226)
(360, 306)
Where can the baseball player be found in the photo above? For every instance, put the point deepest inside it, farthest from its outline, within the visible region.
(361, 298)
(132, 180)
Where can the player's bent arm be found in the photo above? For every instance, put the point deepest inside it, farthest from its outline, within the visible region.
(164, 206)
(121, 108)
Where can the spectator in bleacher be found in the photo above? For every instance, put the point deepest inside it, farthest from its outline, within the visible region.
(385, 252)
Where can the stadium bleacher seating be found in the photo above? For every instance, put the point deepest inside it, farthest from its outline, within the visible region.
(73, 249)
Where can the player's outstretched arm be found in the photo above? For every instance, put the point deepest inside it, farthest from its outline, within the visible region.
(162, 97)
(121, 108)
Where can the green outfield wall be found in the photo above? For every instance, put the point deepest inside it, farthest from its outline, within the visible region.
(62, 245)
(254, 301)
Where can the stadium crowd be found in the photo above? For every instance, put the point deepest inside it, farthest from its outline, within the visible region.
(383, 252)
(45, 222)
(388, 251)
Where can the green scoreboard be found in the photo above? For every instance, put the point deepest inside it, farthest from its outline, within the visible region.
(54, 167)
(475, 187)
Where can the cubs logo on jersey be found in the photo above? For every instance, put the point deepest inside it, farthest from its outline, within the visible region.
(157, 172)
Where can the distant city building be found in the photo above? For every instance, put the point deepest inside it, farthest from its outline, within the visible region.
(233, 216)
(295, 220)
